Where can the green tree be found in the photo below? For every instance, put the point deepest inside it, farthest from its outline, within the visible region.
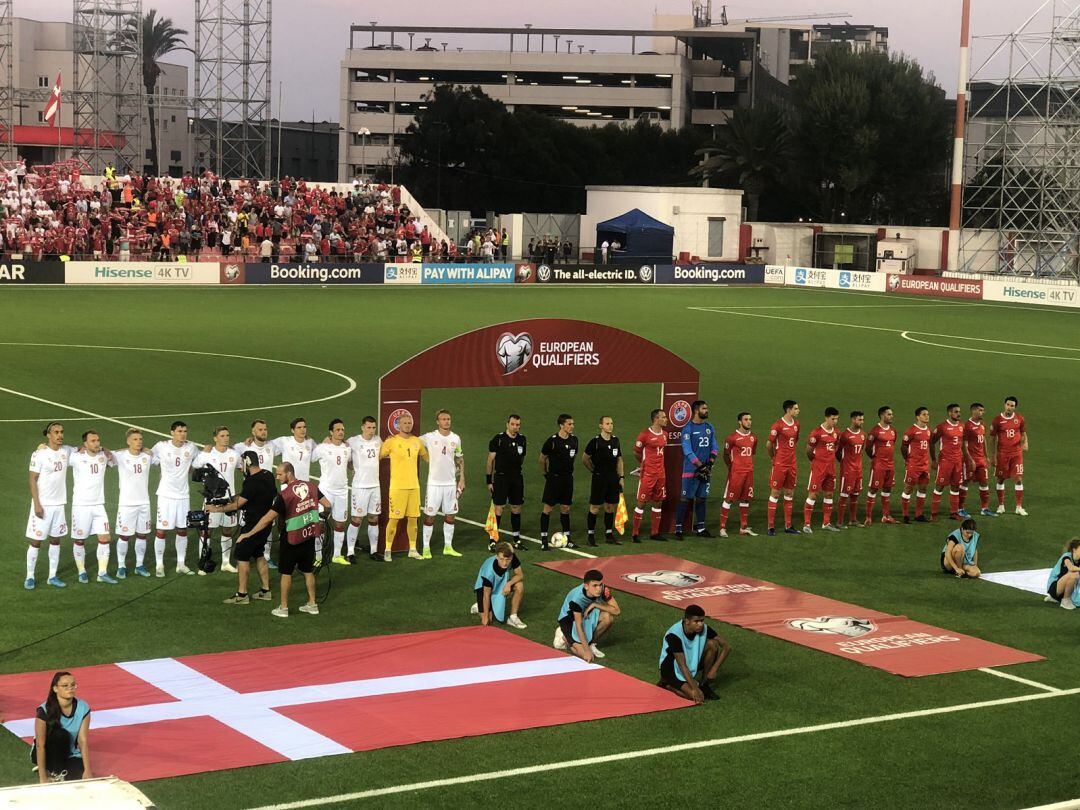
(159, 37)
(753, 152)
(872, 138)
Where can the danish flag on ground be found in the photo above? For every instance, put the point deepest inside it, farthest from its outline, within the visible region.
(52, 106)
(175, 716)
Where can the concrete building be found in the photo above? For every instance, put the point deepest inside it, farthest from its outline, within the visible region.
(308, 149)
(43, 49)
(672, 78)
(858, 38)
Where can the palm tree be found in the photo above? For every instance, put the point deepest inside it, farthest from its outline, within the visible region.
(753, 151)
(159, 38)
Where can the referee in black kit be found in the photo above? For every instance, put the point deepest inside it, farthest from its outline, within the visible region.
(603, 458)
(506, 452)
(557, 466)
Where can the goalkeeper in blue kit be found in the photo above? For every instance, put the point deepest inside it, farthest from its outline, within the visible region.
(700, 450)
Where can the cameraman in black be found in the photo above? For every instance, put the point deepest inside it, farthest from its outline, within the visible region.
(255, 499)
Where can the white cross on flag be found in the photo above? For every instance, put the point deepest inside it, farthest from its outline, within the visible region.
(175, 716)
(52, 106)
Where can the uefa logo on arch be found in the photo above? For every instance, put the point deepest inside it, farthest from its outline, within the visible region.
(679, 413)
(392, 420)
(513, 351)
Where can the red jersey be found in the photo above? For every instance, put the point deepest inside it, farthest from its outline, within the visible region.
(1008, 430)
(823, 443)
(880, 444)
(951, 437)
(740, 448)
(975, 440)
(916, 447)
(785, 437)
(649, 447)
(851, 447)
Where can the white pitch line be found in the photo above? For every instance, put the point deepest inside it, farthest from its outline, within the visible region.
(348, 390)
(842, 306)
(83, 411)
(578, 552)
(906, 335)
(1018, 679)
(1070, 804)
(669, 749)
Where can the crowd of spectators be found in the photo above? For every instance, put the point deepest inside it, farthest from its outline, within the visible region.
(49, 211)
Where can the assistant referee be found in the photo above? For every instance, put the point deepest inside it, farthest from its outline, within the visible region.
(557, 466)
(506, 452)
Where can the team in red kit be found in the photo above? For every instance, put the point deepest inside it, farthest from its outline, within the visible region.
(954, 456)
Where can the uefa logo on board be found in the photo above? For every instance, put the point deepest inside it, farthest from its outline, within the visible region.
(894, 282)
(679, 413)
(849, 626)
(513, 351)
(392, 420)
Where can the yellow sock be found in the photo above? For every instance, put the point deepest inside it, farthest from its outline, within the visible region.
(391, 533)
(410, 529)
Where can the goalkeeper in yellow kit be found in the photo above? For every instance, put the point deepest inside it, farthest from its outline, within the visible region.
(404, 451)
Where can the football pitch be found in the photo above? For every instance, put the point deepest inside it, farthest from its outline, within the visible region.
(793, 727)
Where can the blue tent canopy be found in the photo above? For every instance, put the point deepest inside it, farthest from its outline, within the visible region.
(642, 237)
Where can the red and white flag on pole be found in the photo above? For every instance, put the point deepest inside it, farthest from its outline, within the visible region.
(52, 106)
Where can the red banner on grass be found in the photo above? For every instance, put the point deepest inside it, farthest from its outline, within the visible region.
(176, 716)
(895, 644)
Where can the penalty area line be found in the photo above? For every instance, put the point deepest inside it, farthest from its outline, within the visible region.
(1018, 679)
(661, 751)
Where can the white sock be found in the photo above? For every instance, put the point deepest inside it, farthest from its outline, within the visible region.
(31, 560)
(427, 536)
(54, 559)
(104, 551)
(351, 534)
(373, 537)
(180, 543)
(140, 551)
(226, 547)
(80, 557)
(159, 551)
(266, 550)
(318, 546)
(121, 552)
(448, 535)
(339, 541)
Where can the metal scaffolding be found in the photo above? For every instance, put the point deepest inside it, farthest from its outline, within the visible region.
(7, 86)
(1021, 200)
(108, 99)
(232, 87)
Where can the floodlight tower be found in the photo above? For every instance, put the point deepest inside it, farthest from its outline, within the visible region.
(7, 87)
(232, 87)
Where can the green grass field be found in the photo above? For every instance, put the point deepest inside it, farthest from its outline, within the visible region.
(754, 347)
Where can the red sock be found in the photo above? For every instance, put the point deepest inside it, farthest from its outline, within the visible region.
(637, 522)
(1019, 492)
(984, 497)
(853, 514)
(842, 511)
(744, 516)
(724, 509)
(770, 512)
(961, 499)
(826, 510)
(654, 521)
(935, 502)
(885, 506)
(808, 512)
(870, 507)
(905, 504)
(920, 504)
(789, 507)
(954, 502)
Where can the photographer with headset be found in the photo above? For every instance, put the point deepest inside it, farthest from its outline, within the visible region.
(255, 500)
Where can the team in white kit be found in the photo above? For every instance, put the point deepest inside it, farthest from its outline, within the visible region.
(177, 456)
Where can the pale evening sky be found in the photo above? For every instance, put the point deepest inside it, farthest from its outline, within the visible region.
(310, 36)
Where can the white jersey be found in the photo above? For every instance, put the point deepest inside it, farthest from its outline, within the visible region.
(365, 461)
(51, 467)
(265, 453)
(296, 453)
(134, 470)
(224, 461)
(175, 466)
(88, 477)
(333, 467)
(442, 450)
